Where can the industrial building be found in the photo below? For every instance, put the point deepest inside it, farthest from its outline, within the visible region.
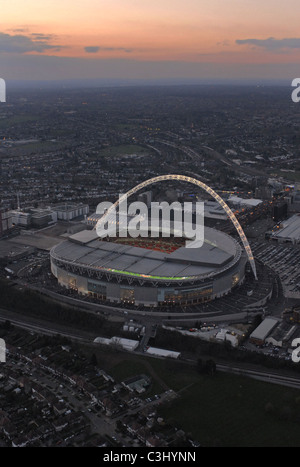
(288, 231)
(162, 352)
(125, 344)
(5, 222)
(33, 217)
(282, 335)
(213, 211)
(68, 212)
(238, 202)
(280, 211)
(260, 334)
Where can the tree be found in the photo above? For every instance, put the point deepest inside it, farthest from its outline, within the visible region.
(7, 324)
(200, 366)
(93, 360)
(269, 408)
(210, 367)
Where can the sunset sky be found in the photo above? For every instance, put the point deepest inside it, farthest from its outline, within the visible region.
(139, 39)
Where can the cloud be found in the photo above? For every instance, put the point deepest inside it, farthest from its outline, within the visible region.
(20, 43)
(19, 30)
(92, 49)
(271, 43)
(95, 48)
(224, 43)
(42, 37)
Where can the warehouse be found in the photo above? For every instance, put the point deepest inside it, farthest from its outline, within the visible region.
(259, 335)
(125, 344)
(162, 352)
(289, 231)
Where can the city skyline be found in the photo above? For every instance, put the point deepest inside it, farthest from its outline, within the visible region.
(140, 40)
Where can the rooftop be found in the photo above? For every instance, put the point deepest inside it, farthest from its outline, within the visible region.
(290, 228)
(85, 248)
(264, 328)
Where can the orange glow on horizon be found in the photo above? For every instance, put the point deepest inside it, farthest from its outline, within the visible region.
(194, 31)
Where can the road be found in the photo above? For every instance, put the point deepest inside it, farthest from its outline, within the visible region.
(212, 153)
(261, 375)
(123, 312)
(46, 328)
(53, 329)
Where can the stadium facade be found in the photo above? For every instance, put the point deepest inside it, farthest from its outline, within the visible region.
(143, 273)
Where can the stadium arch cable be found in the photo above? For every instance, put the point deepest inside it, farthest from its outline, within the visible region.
(198, 183)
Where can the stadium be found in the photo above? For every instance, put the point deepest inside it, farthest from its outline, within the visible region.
(149, 272)
(153, 272)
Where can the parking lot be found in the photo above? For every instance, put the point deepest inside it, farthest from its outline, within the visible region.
(284, 260)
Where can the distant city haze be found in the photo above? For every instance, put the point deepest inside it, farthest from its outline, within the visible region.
(149, 41)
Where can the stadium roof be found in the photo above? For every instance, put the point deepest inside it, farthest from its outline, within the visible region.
(86, 249)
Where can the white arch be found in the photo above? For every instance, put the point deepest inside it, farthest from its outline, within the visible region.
(200, 184)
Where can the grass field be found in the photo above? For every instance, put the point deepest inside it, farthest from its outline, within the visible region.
(294, 176)
(16, 120)
(40, 146)
(291, 176)
(223, 410)
(228, 410)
